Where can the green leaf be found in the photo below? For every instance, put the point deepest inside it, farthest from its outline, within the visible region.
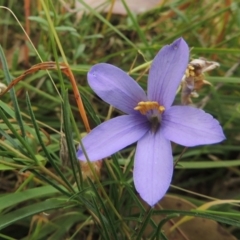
(30, 210)
(208, 164)
(4, 167)
(11, 199)
(39, 20)
(65, 28)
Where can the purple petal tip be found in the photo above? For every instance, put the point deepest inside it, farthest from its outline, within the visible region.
(180, 43)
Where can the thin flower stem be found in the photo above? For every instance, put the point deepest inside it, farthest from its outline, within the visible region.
(179, 158)
(110, 110)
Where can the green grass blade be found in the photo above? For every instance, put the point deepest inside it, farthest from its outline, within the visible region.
(12, 199)
(28, 211)
(50, 159)
(12, 92)
(68, 133)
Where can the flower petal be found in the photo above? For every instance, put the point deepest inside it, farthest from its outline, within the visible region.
(190, 126)
(113, 135)
(153, 167)
(115, 87)
(166, 72)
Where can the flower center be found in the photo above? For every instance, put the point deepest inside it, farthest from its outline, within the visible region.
(145, 107)
(153, 112)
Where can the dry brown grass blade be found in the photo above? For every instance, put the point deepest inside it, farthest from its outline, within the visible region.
(67, 71)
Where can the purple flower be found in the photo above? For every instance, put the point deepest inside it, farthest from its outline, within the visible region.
(151, 120)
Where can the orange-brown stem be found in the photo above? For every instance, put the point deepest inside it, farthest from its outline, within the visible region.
(67, 71)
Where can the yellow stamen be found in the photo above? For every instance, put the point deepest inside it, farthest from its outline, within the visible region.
(161, 109)
(144, 107)
(190, 71)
